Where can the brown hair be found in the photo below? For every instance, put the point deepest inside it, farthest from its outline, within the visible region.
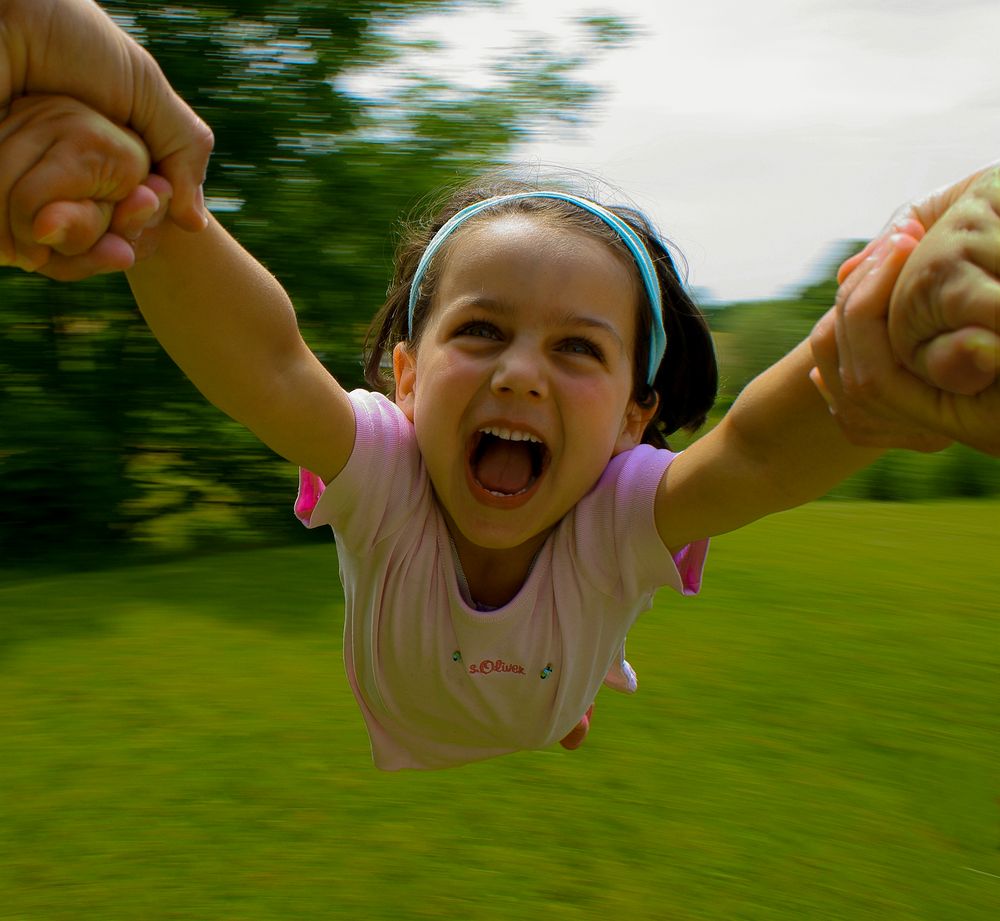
(687, 380)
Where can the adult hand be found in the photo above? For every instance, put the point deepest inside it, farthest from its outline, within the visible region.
(939, 372)
(72, 47)
(68, 175)
(944, 316)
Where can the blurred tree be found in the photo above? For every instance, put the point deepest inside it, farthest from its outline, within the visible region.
(101, 440)
(755, 334)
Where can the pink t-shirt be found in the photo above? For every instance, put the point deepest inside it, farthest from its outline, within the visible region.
(442, 683)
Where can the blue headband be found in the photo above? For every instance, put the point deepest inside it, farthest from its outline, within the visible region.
(657, 335)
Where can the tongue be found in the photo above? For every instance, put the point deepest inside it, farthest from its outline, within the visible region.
(504, 466)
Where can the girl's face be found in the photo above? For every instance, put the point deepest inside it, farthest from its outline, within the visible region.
(520, 389)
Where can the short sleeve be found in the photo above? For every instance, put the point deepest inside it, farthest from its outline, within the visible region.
(383, 477)
(615, 541)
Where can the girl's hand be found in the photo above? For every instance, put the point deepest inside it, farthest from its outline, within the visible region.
(145, 238)
(75, 187)
(848, 377)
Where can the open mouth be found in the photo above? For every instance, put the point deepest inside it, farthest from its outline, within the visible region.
(506, 462)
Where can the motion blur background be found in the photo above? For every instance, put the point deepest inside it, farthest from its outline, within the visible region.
(765, 141)
(817, 734)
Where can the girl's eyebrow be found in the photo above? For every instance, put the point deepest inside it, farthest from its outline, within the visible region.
(567, 318)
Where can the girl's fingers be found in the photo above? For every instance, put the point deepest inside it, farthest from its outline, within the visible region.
(826, 375)
(146, 242)
(185, 172)
(131, 215)
(854, 359)
(849, 265)
(847, 300)
(903, 223)
(863, 338)
(871, 375)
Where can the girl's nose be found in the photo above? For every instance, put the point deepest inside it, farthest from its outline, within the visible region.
(520, 372)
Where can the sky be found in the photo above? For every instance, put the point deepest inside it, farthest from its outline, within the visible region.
(758, 134)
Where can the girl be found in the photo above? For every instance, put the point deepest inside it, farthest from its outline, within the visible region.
(506, 515)
(507, 511)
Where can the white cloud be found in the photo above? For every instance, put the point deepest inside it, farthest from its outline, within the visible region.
(757, 133)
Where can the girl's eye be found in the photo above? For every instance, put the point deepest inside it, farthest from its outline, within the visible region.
(479, 330)
(582, 347)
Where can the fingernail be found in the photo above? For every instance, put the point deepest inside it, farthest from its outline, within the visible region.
(55, 238)
(883, 251)
(985, 352)
(816, 376)
(878, 254)
(202, 208)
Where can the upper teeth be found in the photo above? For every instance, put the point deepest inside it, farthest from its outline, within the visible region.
(510, 435)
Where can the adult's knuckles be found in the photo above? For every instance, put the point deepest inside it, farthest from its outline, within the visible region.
(987, 190)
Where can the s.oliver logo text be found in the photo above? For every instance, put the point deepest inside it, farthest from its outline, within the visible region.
(489, 666)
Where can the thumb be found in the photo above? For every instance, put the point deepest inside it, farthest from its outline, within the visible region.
(179, 142)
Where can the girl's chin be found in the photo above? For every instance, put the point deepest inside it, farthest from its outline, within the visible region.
(484, 529)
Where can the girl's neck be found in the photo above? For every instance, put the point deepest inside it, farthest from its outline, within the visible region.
(494, 577)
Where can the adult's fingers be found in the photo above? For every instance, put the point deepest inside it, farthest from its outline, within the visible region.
(98, 166)
(61, 165)
(944, 318)
(115, 251)
(110, 254)
(930, 208)
(965, 361)
(19, 153)
(73, 227)
(872, 377)
(73, 47)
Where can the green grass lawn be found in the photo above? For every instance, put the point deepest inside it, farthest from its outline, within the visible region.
(816, 737)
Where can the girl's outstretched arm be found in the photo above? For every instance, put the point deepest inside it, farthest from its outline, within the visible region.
(778, 446)
(230, 326)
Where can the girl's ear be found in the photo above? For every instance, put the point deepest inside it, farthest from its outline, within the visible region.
(634, 424)
(404, 371)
